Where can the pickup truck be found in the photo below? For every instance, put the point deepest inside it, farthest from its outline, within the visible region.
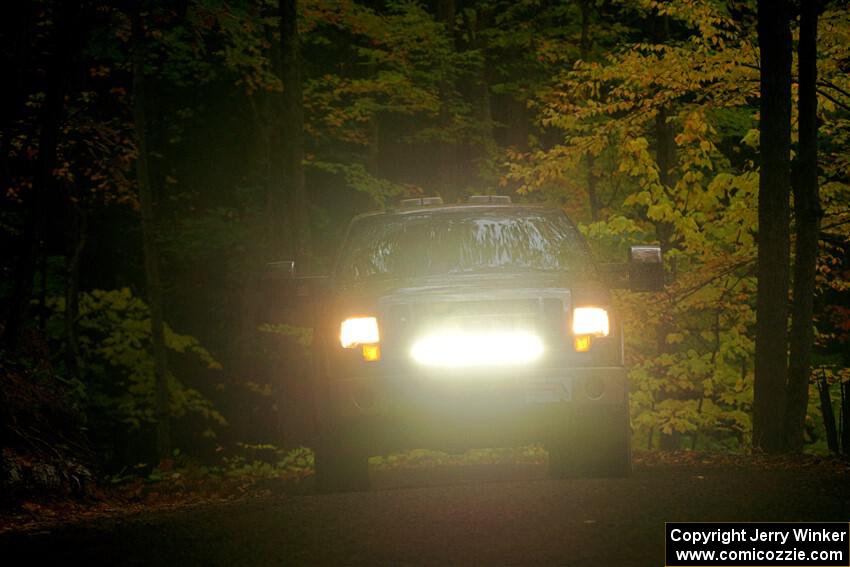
(481, 324)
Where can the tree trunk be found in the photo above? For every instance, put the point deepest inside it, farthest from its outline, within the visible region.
(278, 229)
(828, 415)
(665, 157)
(586, 46)
(42, 290)
(149, 243)
(447, 166)
(69, 37)
(771, 363)
(807, 213)
(76, 239)
(665, 141)
(373, 163)
(845, 418)
(481, 149)
(292, 133)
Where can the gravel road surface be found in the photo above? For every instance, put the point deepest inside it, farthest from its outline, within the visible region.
(484, 515)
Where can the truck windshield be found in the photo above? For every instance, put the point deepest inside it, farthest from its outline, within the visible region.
(434, 243)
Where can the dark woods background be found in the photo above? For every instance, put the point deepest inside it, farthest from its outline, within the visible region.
(155, 155)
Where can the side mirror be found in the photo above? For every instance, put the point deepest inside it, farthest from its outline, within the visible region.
(287, 297)
(646, 268)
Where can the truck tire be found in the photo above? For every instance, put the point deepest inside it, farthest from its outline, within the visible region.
(596, 442)
(340, 468)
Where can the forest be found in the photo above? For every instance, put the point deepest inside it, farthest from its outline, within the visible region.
(156, 155)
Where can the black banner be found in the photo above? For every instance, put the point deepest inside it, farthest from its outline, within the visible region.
(822, 544)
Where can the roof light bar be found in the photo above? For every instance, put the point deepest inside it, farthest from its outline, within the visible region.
(489, 200)
(421, 201)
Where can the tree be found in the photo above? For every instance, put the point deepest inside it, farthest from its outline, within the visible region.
(384, 96)
(292, 131)
(149, 245)
(689, 348)
(447, 183)
(586, 46)
(807, 214)
(69, 37)
(771, 359)
(832, 318)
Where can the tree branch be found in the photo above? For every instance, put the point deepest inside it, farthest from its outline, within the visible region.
(831, 85)
(833, 99)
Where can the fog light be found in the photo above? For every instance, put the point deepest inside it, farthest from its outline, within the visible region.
(364, 398)
(594, 388)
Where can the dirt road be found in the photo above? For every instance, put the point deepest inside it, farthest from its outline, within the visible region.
(488, 515)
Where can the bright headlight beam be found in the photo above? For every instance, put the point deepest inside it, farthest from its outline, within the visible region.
(590, 321)
(359, 331)
(458, 349)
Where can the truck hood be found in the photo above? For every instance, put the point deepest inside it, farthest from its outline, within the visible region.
(462, 287)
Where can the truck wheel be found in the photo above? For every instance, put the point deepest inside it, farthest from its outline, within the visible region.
(596, 443)
(340, 468)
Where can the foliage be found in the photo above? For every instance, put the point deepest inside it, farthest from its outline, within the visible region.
(528, 455)
(292, 464)
(691, 347)
(303, 336)
(119, 381)
(396, 66)
(571, 103)
(45, 452)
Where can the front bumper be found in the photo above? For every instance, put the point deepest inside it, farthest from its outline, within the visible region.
(460, 410)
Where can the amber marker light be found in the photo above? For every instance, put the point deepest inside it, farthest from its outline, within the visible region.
(372, 353)
(582, 343)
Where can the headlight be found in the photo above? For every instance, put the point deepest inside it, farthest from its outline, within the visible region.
(356, 331)
(591, 321)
